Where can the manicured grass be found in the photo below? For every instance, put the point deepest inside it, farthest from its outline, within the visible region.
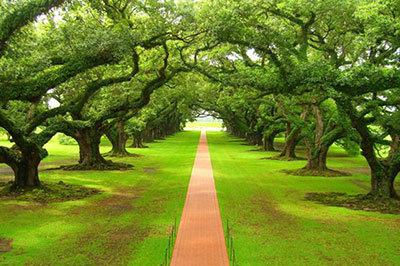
(273, 224)
(127, 224)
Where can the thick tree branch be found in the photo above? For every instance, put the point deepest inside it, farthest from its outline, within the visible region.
(21, 15)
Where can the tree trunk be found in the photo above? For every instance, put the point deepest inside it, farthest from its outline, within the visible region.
(292, 137)
(268, 144)
(89, 148)
(383, 171)
(148, 135)
(137, 142)
(26, 171)
(258, 140)
(254, 139)
(290, 145)
(318, 161)
(382, 183)
(118, 139)
(90, 157)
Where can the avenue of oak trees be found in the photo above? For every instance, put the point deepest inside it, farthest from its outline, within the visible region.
(318, 73)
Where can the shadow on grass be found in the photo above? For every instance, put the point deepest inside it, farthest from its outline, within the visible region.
(47, 192)
(356, 202)
(284, 158)
(325, 173)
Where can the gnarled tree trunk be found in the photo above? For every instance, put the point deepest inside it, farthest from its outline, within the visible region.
(382, 183)
(290, 144)
(268, 142)
(383, 171)
(147, 136)
(26, 170)
(319, 142)
(318, 160)
(90, 157)
(137, 141)
(89, 148)
(118, 139)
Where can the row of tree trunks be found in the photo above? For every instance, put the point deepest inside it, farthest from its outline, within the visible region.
(137, 141)
(255, 139)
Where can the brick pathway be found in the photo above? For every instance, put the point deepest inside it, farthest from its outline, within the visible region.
(200, 240)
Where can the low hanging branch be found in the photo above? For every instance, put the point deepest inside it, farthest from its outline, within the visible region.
(21, 15)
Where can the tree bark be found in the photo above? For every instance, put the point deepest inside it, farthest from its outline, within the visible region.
(268, 142)
(118, 139)
(318, 161)
(317, 149)
(148, 136)
(26, 171)
(137, 141)
(292, 136)
(89, 147)
(255, 139)
(383, 171)
(290, 145)
(382, 183)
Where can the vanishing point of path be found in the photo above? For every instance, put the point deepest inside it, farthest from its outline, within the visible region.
(200, 240)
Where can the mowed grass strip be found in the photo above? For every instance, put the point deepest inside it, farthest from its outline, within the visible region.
(272, 224)
(128, 224)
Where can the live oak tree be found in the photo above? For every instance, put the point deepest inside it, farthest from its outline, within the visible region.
(350, 46)
(322, 129)
(91, 122)
(295, 111)
(365, 79)
(29, 81)
(26, 82)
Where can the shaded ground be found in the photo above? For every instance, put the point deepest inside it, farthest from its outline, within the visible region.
(356, 202)
(326, 173)
(5, 245)
(48, 192)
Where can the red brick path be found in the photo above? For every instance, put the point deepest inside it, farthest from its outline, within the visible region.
(200, 240)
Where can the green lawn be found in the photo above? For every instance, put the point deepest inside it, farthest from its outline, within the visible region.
(129, 223)
(126, 225)
(274, 225)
